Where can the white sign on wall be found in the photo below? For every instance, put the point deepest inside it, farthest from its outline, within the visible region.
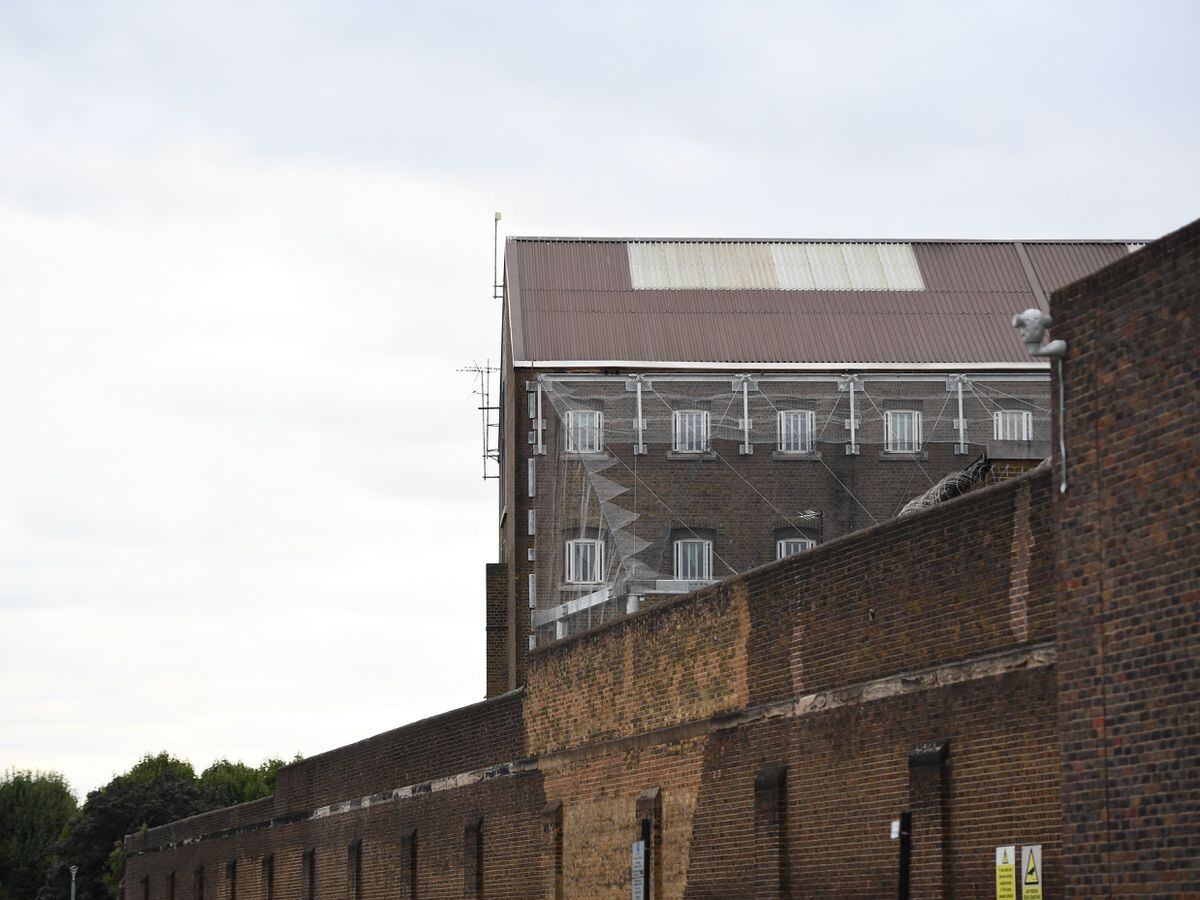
(637, 869)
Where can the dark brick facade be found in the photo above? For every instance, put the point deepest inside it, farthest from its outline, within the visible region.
(1129, 572)
(497, 629)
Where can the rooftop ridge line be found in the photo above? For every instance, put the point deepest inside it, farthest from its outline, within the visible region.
(580, 239)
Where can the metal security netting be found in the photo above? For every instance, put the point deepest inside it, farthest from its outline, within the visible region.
(610, 537)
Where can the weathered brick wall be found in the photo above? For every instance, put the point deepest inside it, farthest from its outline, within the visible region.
(1129, 616)
(972, 577)
(767, 722)
(795, 665)
(497, 629)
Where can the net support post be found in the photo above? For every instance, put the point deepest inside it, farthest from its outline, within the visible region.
(955, 383)
(851, 384)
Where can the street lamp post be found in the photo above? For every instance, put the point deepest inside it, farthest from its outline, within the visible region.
(74, 869)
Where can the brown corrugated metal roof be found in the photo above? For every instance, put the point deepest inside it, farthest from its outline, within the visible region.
(574, 302)
(1057, 265)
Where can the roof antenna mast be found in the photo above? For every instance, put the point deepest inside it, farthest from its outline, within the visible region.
(497, 287)
(488, 412)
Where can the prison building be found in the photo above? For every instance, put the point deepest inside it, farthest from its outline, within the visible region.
(674, 412)
(1004, 677)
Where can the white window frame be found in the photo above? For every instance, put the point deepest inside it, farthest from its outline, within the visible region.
(576, 430)
(891, 444)
(705, 571)
(795, 429)
(785, 547)
(596, 576)
(690, 431)
(1003, 421)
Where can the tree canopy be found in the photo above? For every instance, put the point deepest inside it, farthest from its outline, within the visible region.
(34, 809)
(158, 789)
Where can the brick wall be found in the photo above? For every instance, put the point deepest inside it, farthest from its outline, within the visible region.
(497, 629)
(763, 727)
(1129, 617)
(795, 666)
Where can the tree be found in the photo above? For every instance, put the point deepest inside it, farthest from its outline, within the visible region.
(157, 790)
(226, 783)
(35, 807)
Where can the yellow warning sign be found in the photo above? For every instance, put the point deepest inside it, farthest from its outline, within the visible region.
(1006, 873)
(1031, 865)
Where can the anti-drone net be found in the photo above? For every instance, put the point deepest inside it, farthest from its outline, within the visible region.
(610, 516)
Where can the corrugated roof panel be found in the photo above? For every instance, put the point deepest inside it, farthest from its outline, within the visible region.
(900, 267)
(1057, 265)
(773, 326)
(793, 266)
(829, 266)
(701, 264)
(757, 265)
(783, 302)
(971, 267)
(594, 265)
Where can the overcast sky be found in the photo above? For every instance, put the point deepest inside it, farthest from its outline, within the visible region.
(245, 246)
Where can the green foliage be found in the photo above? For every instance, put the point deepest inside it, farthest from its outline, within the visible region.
(34, 809)
(157, 789)
(226, 783)
(150, 768)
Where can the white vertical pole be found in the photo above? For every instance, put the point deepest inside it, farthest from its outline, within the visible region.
(746, 448)
(641, 441)
(541, 447)
(962, 423)
(853, 422)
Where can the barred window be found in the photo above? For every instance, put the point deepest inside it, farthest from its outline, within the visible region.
(585, 561)
(903, 430)
(690, 427)
(792, 546)
(796, 431)
(585, 431)
(693, 560)
(1012, 425)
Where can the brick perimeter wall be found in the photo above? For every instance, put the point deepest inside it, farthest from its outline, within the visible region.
(971, 580)
(828, 669)
(1129, 617)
